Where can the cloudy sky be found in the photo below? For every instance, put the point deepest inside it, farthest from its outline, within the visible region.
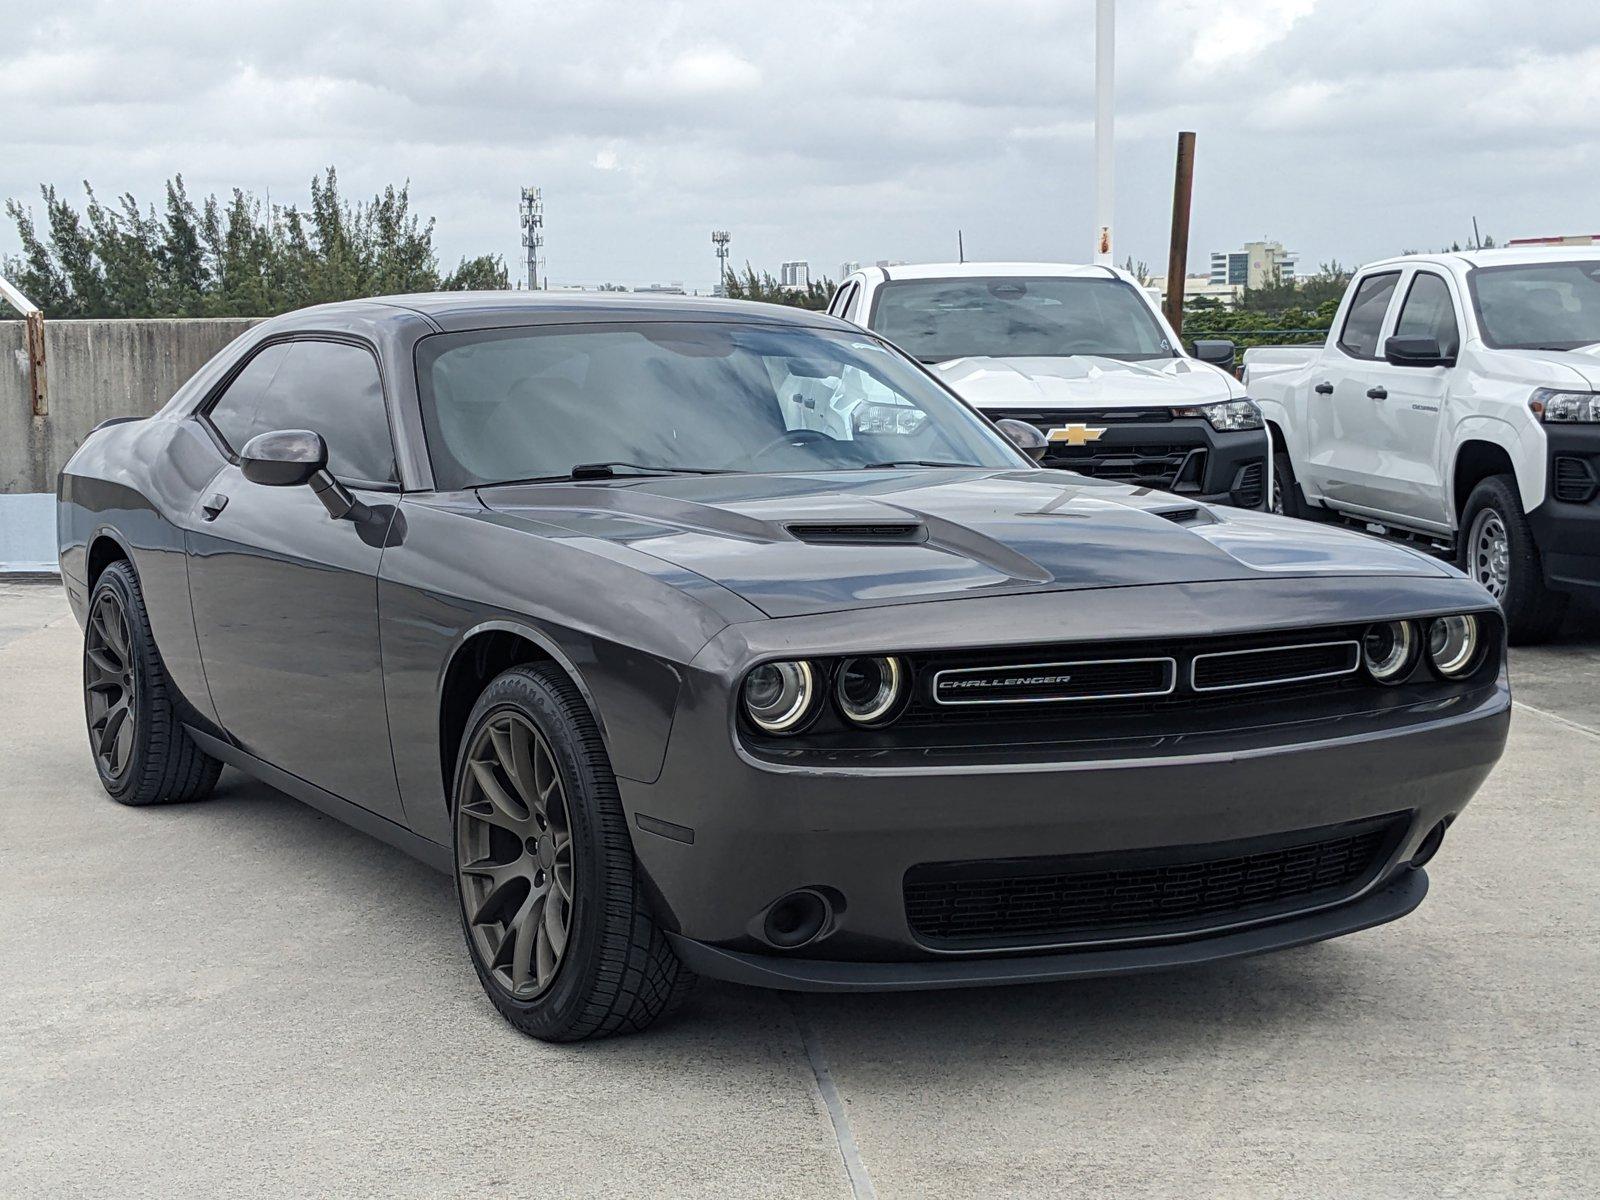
(822, 130)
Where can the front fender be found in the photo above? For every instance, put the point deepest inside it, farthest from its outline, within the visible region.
(1524, 447)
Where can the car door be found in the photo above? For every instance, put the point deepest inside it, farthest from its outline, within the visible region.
(1343, 459)
(1408, 408)
(285, 597)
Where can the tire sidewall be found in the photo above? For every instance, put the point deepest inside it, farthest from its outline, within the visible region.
(1492, 495)
(547, 1014)
(117, 580)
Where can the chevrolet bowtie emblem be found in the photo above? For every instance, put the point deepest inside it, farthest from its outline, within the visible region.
(1076, 435)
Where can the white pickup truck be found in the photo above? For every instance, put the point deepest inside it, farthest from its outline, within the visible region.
(1457, 403)
(1083, 355)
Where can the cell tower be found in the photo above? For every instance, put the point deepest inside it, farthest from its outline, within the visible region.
(719, 239)
(532, 232)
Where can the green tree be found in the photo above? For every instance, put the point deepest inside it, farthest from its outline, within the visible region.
(765, 288)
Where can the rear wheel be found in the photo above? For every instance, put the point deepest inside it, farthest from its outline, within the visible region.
(555, 917)
(140, 748)
(1498, 550)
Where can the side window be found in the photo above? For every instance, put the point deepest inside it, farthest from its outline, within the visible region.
(1429, 312)
(843, 300)
(334, 388)
(234, 413)
(1364, 322)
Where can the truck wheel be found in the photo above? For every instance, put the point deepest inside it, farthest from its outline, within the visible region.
(554, 912)
(1498, 550)
(1285, 491)
(140, 748)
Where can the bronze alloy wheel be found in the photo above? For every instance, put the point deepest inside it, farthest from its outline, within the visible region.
(514, 855)
(110, 684)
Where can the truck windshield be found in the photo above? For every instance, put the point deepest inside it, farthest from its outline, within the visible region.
(537, 404)
(1010, 317)
(1538, 306)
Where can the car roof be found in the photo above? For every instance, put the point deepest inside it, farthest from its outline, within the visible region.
(985, 270)
(1501, 256)
(480, 310)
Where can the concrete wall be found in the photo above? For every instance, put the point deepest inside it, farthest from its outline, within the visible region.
(94, 370)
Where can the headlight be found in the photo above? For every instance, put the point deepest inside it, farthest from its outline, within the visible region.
(891, 419)
(1390, 650)
(1453, 645)
(868, 690)
(1555, 407)
(778, 696)
(1231, 416)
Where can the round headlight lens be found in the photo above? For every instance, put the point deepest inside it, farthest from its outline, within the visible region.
(869, 689)
(1453, 645)
(778, 695)
(1390, 650)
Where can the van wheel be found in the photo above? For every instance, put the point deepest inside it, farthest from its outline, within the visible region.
(1498, 550)
(555, 915)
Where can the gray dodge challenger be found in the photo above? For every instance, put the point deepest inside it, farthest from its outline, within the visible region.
(705, 638)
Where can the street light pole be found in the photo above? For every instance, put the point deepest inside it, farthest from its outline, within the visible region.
(1105, 20)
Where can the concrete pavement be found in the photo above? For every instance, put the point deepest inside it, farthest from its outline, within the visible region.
(243, 996)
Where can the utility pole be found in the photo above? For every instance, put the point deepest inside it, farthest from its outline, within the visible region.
(532, 232)
(961, 248)
(1105, 22)
(719, 239)
(1178, 254)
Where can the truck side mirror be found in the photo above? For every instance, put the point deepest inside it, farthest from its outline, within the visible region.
(1023, 436)
(1416, 352)
(1219, 352)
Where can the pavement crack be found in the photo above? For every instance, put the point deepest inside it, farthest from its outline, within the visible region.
(860, 1181)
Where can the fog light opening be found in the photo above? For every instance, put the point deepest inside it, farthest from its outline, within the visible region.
(1430, 844)
(796, 919)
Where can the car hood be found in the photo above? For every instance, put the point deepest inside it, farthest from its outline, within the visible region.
(1559, 365)
(1084, 381)
(811, 543)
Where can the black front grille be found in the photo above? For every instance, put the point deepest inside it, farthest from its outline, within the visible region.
(1158, 465)
(1232, 669)
(1575, 481)
(1046, 682)
(1142, 893)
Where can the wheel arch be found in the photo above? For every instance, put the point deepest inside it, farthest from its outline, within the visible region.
(480, 654)
(1477, 459)
(105, 548)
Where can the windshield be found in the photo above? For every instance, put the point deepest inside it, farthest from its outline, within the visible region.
(1538, 306)
(505, 405)
(1006, 317)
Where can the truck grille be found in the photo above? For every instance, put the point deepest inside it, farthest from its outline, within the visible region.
(999, 903)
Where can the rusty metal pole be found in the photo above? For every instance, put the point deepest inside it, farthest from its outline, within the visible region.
(35, 321)
(1178, 255)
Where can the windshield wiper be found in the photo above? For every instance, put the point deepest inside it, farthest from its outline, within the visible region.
(915, 462)
(608, 470)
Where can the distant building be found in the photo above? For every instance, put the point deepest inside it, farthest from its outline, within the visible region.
(661, 289)
(1254, 265)
(1199, 287)
(1568, 239)
(845, 268)
(795, 275)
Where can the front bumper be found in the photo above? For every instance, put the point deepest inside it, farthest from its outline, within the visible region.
(1151, 448)
(1566, 527)
(722, 834)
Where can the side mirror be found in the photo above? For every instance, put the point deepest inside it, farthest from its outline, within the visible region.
(1416, 352)
(284, 458)
(290, 457)
(1219, 352)
(1024, 437)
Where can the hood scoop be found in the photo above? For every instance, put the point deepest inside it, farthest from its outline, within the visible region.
(1188, 514)
(856, 533)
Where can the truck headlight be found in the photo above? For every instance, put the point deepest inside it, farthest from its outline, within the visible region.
(780, 696)
(1556, 407)
(1231, 416)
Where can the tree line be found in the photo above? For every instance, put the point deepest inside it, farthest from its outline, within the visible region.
(239, 257)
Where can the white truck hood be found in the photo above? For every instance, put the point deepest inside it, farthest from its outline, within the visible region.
(1084, 381)
(1583, 362)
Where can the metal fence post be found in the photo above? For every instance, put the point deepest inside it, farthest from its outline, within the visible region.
(35, 321)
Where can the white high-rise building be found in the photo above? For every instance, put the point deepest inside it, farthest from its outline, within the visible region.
(796, 275)
(1254, 265)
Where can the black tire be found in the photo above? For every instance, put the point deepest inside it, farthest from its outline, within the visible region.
(1514, 574)
(1285, 499)
(150, 758)
(616, 972)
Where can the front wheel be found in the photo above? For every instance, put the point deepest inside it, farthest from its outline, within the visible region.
(555, 918)
(1498, 550)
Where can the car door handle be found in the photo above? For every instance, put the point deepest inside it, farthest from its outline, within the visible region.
(1377, 393)
(1324, 388)
(213, 505)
